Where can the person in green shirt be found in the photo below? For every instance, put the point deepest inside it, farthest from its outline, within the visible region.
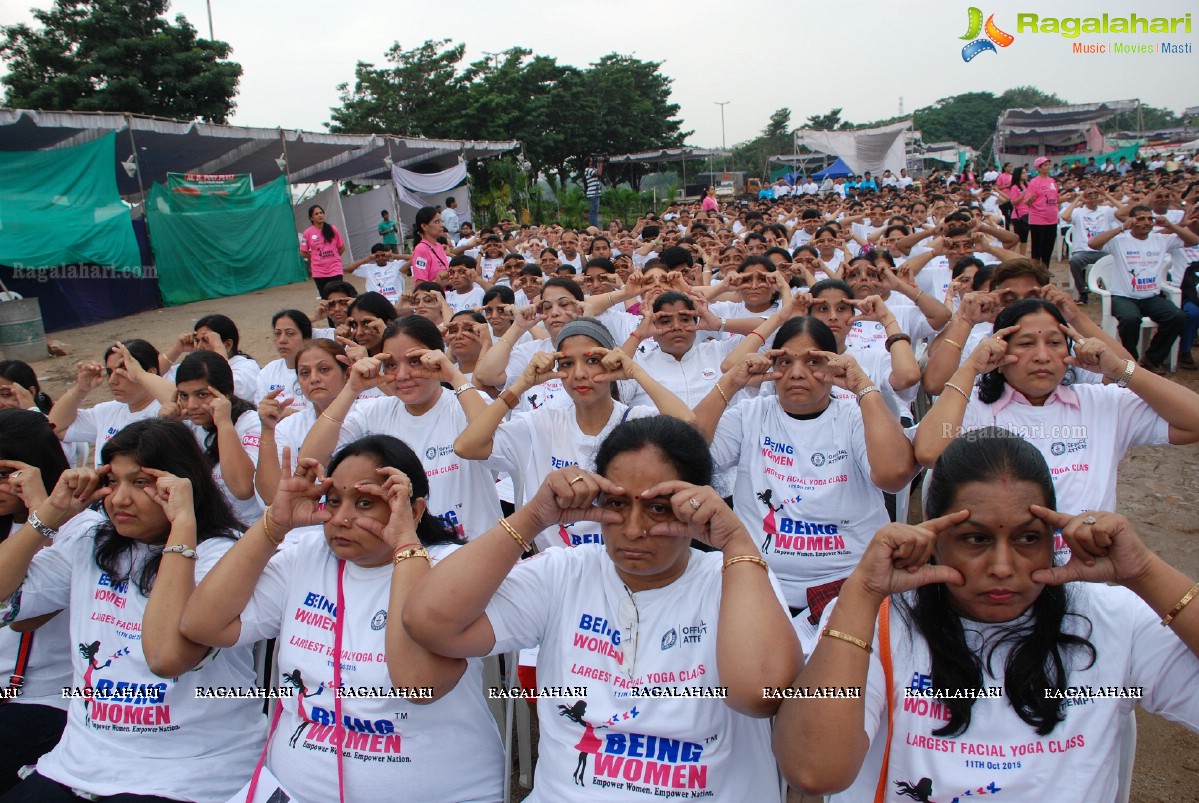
(388, 229)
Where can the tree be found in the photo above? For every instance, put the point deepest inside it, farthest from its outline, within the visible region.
(779, 125)
(969, 118)
(1026, 97)
(826, 122)
(104, 55)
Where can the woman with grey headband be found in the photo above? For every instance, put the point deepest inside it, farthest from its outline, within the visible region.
(532, 444)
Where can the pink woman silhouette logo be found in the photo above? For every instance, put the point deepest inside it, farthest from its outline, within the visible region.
(994, 36)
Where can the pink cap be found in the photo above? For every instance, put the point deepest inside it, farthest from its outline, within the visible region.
(1040, 160)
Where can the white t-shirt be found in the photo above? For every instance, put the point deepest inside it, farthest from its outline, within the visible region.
(935, 277)
(691, 378)
(153, 736)
(249, 432)
(877, 365)
(1086, 223)
(569, 601)
(1077, 762)
(292, 431)
(1083, 444)
(391, 744)
(804, 486)
(464, 301)
(276, 375)
(1141, 265)
(387, 280)
(98, 424)
(550, 393)
(245, 376)
(460, 491)
(865, 335)
(535, 443)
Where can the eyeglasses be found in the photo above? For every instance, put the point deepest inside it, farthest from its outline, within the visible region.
(629, 619)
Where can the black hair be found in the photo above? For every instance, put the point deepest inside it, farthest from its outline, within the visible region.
(595, 239)
(22, 374)
(806, 249)
(830, 284)
(327, 231)
(377, 247)
(26, 436)
(463, 259)
(827, 229)
(225, 328)
(343, 287)
(166, 445)
(474, 316)
(565, 270)
(419, 328)
(298, 318)
(902, 229)
(567, 284)
(809, 213)
(531, 270)
(603, 263)
(145, 354)
(962, 264)
(990, 386)
(672, 297)
(214, 370)
(757, 259)
(774, 249)
(812, 327)
(424, 215)
(676, 255)
(376, 304)
(394, 453)
(429, 287)
(982, 278)
(1040, 650)
(681, 444)
(501, 291)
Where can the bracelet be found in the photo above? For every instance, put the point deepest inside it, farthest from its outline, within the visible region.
(759, 337)
(723, 395)
(837, 634)
(1182, 603)
(965, 395)
(509, 398)
(639, 337)
(458, 391)
(507, 525)
(745, 559)
(180, 549)
(266, 527)
(1128, 369)
(893, 339)
(35, 521)
(723, 321)
(411, 552)
(864, 392)
(953, 343)
(916, 300)
(337, 421)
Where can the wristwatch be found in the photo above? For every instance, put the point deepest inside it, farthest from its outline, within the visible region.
(185, 551)
(36, 523)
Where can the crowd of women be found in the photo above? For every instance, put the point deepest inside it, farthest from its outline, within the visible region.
(671, 466)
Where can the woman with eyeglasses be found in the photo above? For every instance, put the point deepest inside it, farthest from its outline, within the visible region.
(633, 624)
(985, 669)
(812, 466)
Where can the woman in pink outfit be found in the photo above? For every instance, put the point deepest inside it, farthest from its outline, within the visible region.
(1043, 212)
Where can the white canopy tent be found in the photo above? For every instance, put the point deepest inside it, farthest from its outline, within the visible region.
(873, 149)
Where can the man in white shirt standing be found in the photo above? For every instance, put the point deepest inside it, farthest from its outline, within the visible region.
(450, 219)
(905, 180)
(1142, 257)
(1086, 218)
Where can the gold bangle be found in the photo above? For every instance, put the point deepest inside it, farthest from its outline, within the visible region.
(723, 395)
(337, 421)
(953, 343)
(854, 640)
(266, 527)
(1182, 603)
(965, 395)
(745, 559)
(507, 525)
(411, 552)
(916, 300)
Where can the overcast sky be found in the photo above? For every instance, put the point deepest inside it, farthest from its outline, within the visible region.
(862, 55)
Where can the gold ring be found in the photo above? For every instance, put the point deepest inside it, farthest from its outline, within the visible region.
(576, 479)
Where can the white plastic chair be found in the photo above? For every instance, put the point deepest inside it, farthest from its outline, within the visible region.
(1101, 271)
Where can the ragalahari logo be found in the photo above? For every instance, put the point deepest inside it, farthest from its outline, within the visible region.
(981, 45)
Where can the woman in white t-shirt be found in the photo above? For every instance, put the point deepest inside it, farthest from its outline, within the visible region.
(335, 585)
(135, 723)
(369, 315)
(628, 627)
(217, 333)
(993, 671)
(464, 335)
(811, 467)
(1082, 430)
(422, 413)
(131, 401)
(532, 444)
(290, 328)
(35, 664)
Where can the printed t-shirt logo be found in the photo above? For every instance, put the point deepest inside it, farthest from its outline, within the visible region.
(670, 638)
(379, 620)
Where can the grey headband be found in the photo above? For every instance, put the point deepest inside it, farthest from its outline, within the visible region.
(589, 327)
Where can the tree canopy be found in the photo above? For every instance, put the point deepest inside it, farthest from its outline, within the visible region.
(561, 113)
(105, 55)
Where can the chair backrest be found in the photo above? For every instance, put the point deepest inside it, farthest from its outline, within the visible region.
(1102, 270)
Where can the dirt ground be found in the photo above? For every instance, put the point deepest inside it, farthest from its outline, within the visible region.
(1158, 490)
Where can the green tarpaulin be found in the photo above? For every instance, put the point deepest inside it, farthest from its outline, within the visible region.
(1129, 153)
(208, 246)
(61, 207)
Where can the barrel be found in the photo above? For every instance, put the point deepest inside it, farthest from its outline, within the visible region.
(22, 336)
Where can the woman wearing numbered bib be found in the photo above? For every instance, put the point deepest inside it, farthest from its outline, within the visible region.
(986, 669)
(811, 468)
(136, 726)
(336, 587)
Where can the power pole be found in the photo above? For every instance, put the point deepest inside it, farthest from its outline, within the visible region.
(723, 146)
